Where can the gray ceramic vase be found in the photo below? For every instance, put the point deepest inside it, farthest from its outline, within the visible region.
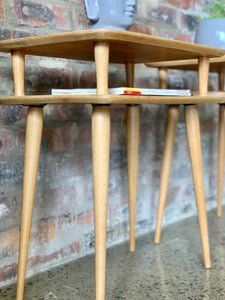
(211, 33)
(110, 14)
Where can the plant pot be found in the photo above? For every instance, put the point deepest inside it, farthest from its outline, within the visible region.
(211, 33)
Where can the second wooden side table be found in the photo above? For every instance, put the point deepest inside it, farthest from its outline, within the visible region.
(215, 65)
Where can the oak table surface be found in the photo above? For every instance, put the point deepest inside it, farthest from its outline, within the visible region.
(124, 47)
(216, 64)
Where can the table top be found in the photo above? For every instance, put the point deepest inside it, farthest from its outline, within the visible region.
(125, 46)
(217, 64)
(214, 97)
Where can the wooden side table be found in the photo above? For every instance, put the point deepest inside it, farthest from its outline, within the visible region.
(215, 65)
(103, 46)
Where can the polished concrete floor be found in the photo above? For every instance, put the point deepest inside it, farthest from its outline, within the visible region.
(171, 270)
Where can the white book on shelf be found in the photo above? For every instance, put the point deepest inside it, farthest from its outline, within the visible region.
(124, 91)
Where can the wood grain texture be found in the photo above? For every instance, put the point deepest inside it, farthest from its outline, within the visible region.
(31, 159)
(163, 78)
(170, 134)
(221, 147)
(213, 97)
(18, 64)
(221, 80)
(217, 64)
(221, 154)
(203, 75)
(171, 125)
(194, 143)
(124, 46)
(102, 62)
(100, 157)
(132, 124)
(129, 74)
(132, 127)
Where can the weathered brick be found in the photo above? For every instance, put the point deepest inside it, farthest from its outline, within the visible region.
(38, 14)
(10, 238)
(11, 173)
(79, 20)
(78, 165)
(118, 112)
(58, 139)
(187, 22)
(45, 231)
(74, 247)
(87, 79)
(68, 219)
(2, 10)
(12, 113)
(21, 140)
(16, 34)
(172, 193)
(64, 251)
(34, 260)
(65, 219)
(66, 193)
(42, 79)
(117, 158)
(5, 142)
(115, 135)
(143, 28)
(208, 127)
(8, 272)
(180, 3)
(198, 5)
(84, 136)
(76, 1)
(163, 14)
(177, 36)
(53, 255)
(63, 112)
(5, 34)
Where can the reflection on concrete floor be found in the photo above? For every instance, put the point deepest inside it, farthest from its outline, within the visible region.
(171, 270)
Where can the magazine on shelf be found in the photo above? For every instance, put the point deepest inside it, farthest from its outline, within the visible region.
(124, 91)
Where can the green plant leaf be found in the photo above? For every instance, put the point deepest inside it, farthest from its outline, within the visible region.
(215, 10)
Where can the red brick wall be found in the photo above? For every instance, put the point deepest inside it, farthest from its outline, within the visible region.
(63, 210)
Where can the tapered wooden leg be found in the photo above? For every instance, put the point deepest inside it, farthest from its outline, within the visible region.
(221, 148)
(132, 124)
(171, 126)
(132, 119)
(221, 153)
(100, 148)
(31, 158)
(100, 155)
(194, 142)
